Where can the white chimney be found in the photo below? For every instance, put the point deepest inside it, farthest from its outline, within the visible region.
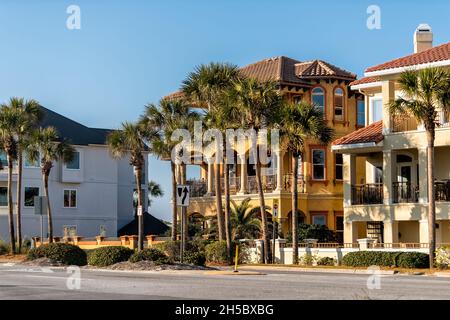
(423, 38)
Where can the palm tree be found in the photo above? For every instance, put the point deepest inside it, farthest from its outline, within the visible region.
(301, 122)
(46, 144)
(154, 190)
(206, 87)
(425, 92)
(169, 116)
(258, 104)
(28, 114)
(244, 221)
(130, 141)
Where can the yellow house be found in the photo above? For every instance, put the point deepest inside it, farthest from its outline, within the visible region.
(390, 206)
(320, 171)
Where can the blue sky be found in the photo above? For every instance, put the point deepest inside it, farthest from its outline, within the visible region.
(129, 53)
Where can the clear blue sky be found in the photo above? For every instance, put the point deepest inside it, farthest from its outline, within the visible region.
(129, 53)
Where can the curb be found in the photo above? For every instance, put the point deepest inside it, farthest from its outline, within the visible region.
(324, 270)
(232, 273)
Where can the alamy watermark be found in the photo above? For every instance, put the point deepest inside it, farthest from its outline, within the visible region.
(373, 22)
(73, 21)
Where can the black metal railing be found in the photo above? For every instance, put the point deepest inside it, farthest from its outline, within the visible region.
(442, 190)
(371, 193)
(198, 188)
(404, 192)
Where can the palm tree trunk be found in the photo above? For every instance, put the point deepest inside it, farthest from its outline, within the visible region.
(12, 237)
(294, 209)
(49, 209)
(174, 202)
(431, 198)
(138, 175)
(262, 208)
(218, 189)
(19, 201)
(227, 208)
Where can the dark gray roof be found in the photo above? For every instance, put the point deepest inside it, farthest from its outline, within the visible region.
(74, 132)
(152, 226)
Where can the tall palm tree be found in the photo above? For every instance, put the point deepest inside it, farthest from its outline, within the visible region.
(154, 190)
(301, 122)
(244, 221)
(259, 104)
(131, 141)
(167, 117)
(425, 92)
(28, 113)
(46, 144)
(206, 87)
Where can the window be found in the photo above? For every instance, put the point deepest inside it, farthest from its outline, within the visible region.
(3, 159)
(3, 196)
(69, 231)
(318, 163)
(31, 164)
(339, 166)
(70, 198)
(319, 219)
(339, 104)
(297, 99)
(378, 174)
(318, 98)
(30, 193)
(75, 163)
(360, 113)
(377, 110)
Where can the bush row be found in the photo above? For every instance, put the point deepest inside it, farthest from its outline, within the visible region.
(59, 252)
(386, 259)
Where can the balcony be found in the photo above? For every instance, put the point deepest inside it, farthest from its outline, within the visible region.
(408, 123)
(371, 193)
(198, 188)
(442, 190)
(405, 192)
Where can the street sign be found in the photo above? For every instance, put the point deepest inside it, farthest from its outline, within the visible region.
(183, 192)
(40, 205)
(139, 210)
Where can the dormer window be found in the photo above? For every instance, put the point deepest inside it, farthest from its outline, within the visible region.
(318, 99)
(339, 104)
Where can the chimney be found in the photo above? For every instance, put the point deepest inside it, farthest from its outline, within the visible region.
(423, 38)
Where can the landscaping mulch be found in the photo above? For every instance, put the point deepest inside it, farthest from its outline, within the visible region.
(151, 266)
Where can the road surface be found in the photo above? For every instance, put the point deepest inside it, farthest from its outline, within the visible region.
(24, 282)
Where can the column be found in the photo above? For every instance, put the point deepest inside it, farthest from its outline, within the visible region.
(423, 176)
(390, 233)
(389, 162)
(388, 95)
(423, 231)
(349, 177)
(243, 162)
(279, 155)
(210, 172)
(350, 232)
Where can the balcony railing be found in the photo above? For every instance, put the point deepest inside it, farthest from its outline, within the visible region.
(401, 124)
(287, 183)
(367, 193)
(198, 188)
(269, 183)
(235, 184)
(442, 190)
(405, 192)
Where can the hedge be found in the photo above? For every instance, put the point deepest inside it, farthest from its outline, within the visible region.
(217, 252)
(63, 253)
(106, 256)
(150, 254)
(194, 257)
(326, 261)
(386, 259)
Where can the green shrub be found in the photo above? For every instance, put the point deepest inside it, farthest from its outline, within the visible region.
(326, 261)
(194, 257)
(413, 260)
(106, 256)
(385, 259)
(307, 259)
(4, 247)
(443, 257)
(170, 248)
(59, 252)
(217, 252)
(150, 254)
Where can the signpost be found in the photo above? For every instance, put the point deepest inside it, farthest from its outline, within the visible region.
(183, 200)
(274, 226)
(40, 208)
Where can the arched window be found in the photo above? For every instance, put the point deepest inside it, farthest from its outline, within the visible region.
(318, 98)
(339, 104)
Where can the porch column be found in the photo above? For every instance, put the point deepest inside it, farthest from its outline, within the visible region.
(389, 162)
(210, 172)
(390, 233)
(243, 162)
(388, 95)
(279, 155)
(423, 175)
(423, 231)
(350, 232)
(349, 177)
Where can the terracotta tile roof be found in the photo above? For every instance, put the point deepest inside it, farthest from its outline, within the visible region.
(365, 80)
(371, 133)
(438, 53)
(174, 95)
(321, 69)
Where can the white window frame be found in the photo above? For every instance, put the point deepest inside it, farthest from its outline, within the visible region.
(76, 199)
(319, 94)
(324, 216)
(372, 109)
(39, 193)
(340, 165)
(79, 162)
(324, 164)
(358, 113)
(70, 226)
(31, 167)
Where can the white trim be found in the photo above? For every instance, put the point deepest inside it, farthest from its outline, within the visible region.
(366, 85)
(354, 146)
(406, 68)
(24, 191)
(76, 198)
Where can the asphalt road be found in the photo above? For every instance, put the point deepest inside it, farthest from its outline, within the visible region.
(21, 282)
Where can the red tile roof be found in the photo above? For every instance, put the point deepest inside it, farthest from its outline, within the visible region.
(438, 53)
(365, 80)
(321, 69)
(371, 133)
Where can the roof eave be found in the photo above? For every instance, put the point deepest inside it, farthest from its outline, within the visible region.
(365, 145)
(366, 85)
(391, 71)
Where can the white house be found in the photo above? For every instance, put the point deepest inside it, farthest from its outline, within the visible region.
(92, 195)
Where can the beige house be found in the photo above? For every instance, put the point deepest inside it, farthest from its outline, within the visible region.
(389, 201)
